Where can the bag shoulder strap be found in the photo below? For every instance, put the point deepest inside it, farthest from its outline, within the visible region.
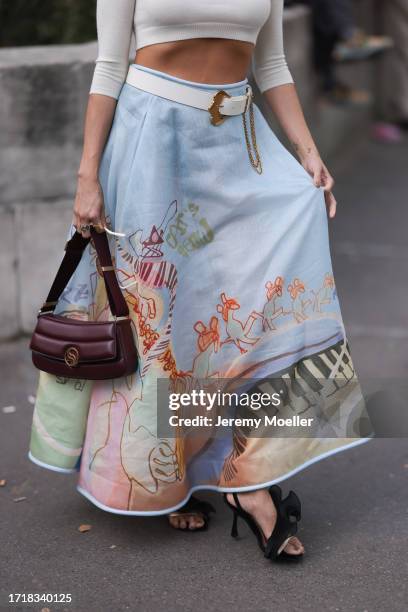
(74, 249)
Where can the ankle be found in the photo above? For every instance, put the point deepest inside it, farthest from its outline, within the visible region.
(252, 500)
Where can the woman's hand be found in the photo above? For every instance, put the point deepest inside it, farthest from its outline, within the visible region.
(313, 164)
(89, 205)
(285, 104)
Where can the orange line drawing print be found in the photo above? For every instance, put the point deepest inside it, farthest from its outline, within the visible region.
(145, 308)
(101, 436)
(296, 289)
(208, 343)
(149, 270)
(161, 464)
(148, 249)
(324, 295)
(236, 330)
(272, 310)
(164, 459)
(150, 273)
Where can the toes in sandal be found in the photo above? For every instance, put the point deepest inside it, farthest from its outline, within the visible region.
(194, 508)
(293, 506)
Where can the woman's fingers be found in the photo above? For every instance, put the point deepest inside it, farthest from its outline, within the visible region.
(101, 222)
(97, 221)
(84, 221)
(331, 203)
(80, 219)
(88, 206)
(317, 177)
(328, 183)
(328, 180)
(78, 222)
(322, 178)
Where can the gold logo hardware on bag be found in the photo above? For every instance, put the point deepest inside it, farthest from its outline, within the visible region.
(71, 356)
(73, 348)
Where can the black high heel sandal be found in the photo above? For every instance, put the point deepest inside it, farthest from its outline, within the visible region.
(288, 514)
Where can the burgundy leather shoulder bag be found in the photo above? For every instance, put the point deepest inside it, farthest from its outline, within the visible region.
(72, 348)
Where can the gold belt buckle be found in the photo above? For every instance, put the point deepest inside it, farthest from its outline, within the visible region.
(214, 109)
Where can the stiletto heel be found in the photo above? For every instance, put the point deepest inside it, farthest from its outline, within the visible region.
(288, 515)
(240, 512)
(234, 528)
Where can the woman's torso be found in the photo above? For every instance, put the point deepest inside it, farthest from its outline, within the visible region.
(204, 59)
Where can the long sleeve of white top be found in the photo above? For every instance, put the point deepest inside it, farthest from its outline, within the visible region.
(114, 21)
(269, 65)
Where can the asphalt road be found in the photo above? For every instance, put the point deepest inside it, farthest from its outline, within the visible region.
(354, 523)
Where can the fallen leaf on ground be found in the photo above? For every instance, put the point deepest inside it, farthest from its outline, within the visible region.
(19, 499)
(3, 482)
(8, 409)
(84, 528)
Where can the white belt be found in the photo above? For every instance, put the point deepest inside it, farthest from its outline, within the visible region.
(219, 104)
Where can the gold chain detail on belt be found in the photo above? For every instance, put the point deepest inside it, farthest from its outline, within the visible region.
(254, 159)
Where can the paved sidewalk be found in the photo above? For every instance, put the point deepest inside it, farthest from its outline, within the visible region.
(354, 524)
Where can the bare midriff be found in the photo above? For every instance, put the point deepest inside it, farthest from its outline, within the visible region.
(204, 60)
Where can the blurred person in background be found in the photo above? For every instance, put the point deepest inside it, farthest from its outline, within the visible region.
(336, 37)
(393, 106)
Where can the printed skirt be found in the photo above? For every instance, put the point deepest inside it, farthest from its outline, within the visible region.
(228, 275)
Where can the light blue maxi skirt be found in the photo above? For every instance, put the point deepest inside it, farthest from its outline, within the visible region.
(227, 274)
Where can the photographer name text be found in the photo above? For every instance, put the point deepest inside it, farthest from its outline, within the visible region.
(253, 422)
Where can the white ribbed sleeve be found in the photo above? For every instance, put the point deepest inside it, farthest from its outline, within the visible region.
(269, 65)
(114, 20)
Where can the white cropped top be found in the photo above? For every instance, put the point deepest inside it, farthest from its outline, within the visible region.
(157, 21)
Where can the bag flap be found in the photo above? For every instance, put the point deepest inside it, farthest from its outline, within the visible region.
(67, 339)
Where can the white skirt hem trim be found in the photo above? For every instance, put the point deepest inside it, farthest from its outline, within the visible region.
(53, 468)
(97, 503)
